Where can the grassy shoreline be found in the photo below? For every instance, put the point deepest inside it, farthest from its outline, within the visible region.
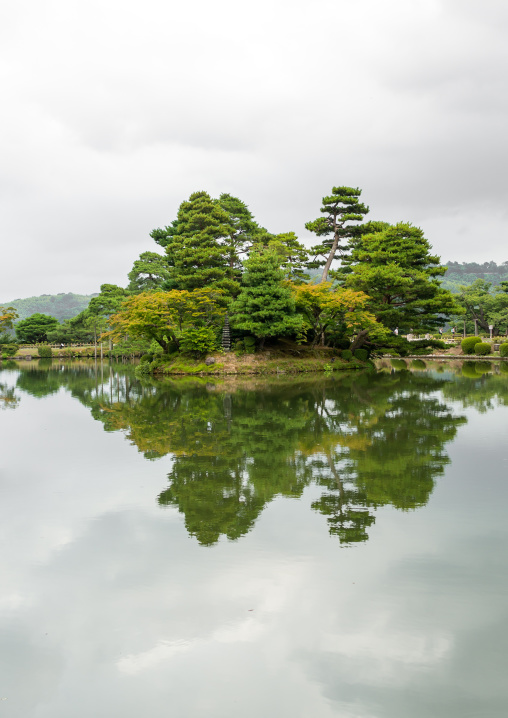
(266, 362)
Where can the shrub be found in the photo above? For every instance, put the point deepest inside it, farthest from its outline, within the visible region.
(361, 354)
(142, 370)
(482, 348)
(250, 344)
(347, 354)
(430, 343)
(9, 350)
(198, 340)
(44, 351)
(468, 344)
(503, 350)
(342, 343)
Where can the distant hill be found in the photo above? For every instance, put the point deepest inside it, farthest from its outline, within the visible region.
(62, 306)
(467, 272)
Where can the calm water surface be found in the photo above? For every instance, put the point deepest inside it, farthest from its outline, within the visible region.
(327, 547)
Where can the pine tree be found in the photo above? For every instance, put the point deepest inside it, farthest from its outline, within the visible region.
(265, 306)
(195, 253)
(395, 268)
(341, 207)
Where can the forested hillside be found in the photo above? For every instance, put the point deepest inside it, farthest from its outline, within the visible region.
(62, 306)
(466, 273)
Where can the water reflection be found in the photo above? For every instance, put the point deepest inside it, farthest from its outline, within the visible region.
(368, 440)
(8, 397)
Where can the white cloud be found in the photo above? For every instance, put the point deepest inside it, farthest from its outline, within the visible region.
(115, 112)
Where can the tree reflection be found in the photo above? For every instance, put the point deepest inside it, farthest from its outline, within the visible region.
(8, 397)
(368, 440)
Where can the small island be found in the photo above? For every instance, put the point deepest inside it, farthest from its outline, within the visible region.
(226, 296)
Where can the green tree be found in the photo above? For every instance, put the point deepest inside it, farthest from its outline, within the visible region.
(243, 232)
(107, 302)
(150, 272)
(170, 317)
(485, 306)
(71, 331)
(294, 256)
(395, 268)
(265, 306)
(340, 209)
(35, 328)
(196, 251)
(8, 316)
(339, 312)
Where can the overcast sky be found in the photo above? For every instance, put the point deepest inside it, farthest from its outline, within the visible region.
(114, 112)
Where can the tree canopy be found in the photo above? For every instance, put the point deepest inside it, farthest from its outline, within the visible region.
(169, 318)
(340, 208)
(400, 275)
(265, 306)
(34, 329)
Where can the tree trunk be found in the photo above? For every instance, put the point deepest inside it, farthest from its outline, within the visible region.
(324, 277)
(360, 339)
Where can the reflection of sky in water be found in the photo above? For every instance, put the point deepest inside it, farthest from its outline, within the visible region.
(109, 608)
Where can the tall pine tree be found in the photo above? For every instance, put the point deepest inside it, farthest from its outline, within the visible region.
(265, 306)
(196, 250)
(341, 208)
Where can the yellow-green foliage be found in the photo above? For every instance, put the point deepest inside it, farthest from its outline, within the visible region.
(503, 350)
(468, 344)
(482, 348)
(44, 351)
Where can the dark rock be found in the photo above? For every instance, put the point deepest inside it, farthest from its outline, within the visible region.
(209, 361)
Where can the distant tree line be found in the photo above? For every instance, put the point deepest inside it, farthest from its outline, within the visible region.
(465, 273)
(61, 306)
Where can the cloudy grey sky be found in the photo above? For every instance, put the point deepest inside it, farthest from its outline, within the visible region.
(114, 112)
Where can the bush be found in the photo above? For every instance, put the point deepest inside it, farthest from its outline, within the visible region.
(347, 354)
(342, 343)
(428, 343)
(468, 344)
(482, 348)
(9, 350)
(361, 354)
(503, 350)
(250, 344)
(198, 340)
(44, 351)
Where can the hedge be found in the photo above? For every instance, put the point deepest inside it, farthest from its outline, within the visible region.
(361, 354)
(482, 348)
(503, 350)
(468, 344)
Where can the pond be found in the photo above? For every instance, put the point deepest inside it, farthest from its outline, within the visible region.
(325, 546)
